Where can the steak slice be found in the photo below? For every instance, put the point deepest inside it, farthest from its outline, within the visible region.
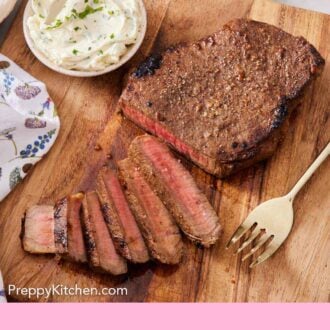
(119, 218)
(76, 245)
(38, 229)
(177, 189)
(61, 225)
(223, 101)
(158, 227)
(100, 247)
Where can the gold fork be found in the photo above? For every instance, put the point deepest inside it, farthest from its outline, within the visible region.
(270, 223)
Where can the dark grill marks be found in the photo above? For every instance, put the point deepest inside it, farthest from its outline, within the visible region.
(280, 115)
(100, 247)
(160, 232)
(148, 67)
(120, 220)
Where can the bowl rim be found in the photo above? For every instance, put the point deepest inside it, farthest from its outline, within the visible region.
(75, 73)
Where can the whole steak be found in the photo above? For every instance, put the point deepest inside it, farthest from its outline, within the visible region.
(223, 101)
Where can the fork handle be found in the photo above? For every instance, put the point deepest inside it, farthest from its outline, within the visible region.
(318, 161)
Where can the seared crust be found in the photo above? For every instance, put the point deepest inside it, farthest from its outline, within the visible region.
(89, 234)
(224, 100)
(76, 244)
(60, 229)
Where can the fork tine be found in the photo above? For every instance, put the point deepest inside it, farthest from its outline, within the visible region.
(259, 244)
(239, 233)
(254, 235)
(270, 250)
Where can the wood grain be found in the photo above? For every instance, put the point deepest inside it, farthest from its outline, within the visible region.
(298, 272)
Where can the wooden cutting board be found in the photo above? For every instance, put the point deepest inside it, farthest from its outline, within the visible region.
(298, 272)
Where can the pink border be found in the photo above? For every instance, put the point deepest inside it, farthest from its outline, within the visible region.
(165, 316)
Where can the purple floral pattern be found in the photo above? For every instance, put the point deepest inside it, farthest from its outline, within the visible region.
(35, 123)
(27, 92)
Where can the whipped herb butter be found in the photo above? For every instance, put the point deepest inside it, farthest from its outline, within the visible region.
(85, 35)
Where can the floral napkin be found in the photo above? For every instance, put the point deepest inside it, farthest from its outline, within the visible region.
(28, 124)
(2, 291)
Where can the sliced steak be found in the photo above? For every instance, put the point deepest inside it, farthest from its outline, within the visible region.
(177, 189)
(119, 218)
(61, 225)
(223, 101)
(76, 245)
(158, 227)
(100, 247)
(38, 229)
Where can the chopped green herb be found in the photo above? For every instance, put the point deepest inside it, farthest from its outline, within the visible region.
(75, 51)
(89, 48)
(58, 23)
(100, 52)
(73, 15)
(88, 11)
(112, 36)
(77, 28)
(86, 1)
(41, 16)
(111, 12)
(96, 1)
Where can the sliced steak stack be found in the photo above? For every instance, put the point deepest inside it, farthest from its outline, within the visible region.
(119, 218)
(176, 188)
(100, 247)
(223, 101)
(134, 217)
(161, 233)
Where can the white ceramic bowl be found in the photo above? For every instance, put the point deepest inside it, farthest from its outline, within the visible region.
(6, 8)
(75, 73)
